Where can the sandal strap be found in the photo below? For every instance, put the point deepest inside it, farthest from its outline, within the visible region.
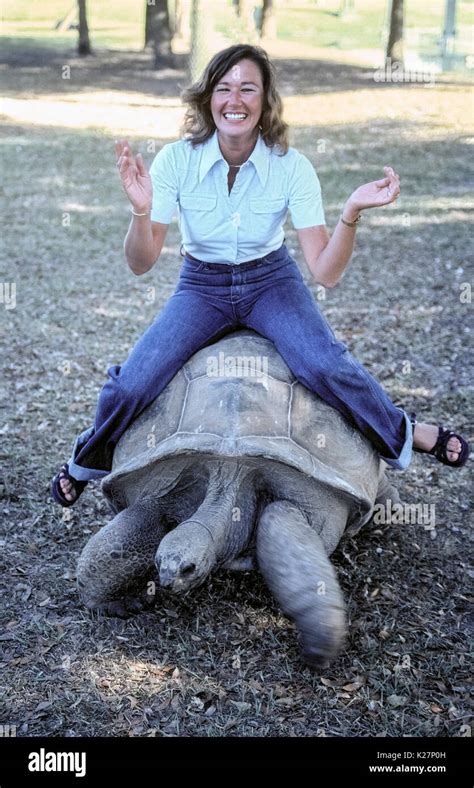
(440, 449)
(56, 490)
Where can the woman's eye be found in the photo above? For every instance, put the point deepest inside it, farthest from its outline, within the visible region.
(225, 90)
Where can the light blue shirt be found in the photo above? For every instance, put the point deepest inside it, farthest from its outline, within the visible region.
(218, 227)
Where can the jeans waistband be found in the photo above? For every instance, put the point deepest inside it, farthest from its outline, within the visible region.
(227, 267)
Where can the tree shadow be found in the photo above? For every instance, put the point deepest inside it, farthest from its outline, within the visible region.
(38, 68)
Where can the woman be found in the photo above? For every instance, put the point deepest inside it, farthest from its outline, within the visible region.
(234, 177)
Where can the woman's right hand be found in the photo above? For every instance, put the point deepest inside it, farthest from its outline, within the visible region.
(135, 177)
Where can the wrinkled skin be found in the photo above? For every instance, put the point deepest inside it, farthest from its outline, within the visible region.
(276, 503)
(239, 523)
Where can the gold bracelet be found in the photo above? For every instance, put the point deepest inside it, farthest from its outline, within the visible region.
(351, 224)
(139, 214)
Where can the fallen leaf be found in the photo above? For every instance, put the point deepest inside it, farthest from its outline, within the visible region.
(328, 682)
(240, 705)
(355, 685)
(397, 700)
(285, 701)
(45, 704)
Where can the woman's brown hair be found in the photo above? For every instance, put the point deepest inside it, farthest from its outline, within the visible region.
(198, 124)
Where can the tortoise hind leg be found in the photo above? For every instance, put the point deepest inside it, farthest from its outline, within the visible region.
(294, 563)
(118, 560)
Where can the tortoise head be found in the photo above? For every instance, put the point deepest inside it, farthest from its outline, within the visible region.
(185, 557)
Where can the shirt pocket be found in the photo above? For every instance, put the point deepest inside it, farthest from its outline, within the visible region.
(200, 203)
(200, 216)
(267, 205)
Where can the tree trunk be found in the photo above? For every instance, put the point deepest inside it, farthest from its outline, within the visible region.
(268, 20)
(199, 52)
(449, 32)
(158, 32)
(245, 12)
(176, 21)
(395, 38)
(84, 45)
(346, 7)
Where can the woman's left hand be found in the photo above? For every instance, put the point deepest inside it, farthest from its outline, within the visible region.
(376, 193)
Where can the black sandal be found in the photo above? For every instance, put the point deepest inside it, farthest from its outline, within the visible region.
(56, 490)
(440, 449)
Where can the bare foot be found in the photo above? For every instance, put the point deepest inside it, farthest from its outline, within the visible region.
(425, 437)
(67, 488)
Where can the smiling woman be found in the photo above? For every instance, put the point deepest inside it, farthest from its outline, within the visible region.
(240, 79)
(233, 177)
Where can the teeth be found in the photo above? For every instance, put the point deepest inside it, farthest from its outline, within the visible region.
(235, 115)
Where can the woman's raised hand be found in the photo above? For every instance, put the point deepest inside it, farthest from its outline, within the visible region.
(135, 177)
(376, 193)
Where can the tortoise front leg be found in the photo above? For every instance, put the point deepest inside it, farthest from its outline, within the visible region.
(294, 563)
(118, 560)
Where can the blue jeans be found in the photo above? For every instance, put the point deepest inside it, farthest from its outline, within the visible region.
(268, 295)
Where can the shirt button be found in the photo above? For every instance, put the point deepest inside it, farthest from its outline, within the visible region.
(236, 219)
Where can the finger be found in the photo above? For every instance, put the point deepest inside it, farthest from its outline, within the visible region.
(392, 175)
(393, 189)
(391, 197)
(123, 152)
(127, 149)
(123, 165)
(129, 157)
(383, 182)
(118, 148)
(140, 164)
(126, 158)
(393, 186)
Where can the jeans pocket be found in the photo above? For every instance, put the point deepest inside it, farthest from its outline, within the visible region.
(193, 266)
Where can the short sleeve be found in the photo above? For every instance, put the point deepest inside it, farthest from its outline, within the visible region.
(305, 199)
(165, 186)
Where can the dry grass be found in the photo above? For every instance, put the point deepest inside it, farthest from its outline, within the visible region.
(224, 662)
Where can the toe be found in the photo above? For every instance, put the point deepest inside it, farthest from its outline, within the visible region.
(453, 449)
(67, 489)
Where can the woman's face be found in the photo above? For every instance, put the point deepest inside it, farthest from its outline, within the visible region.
(237, 100)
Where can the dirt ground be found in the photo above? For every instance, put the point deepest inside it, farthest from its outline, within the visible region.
(224, 661)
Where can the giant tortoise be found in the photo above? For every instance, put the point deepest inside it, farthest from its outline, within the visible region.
(235, 461)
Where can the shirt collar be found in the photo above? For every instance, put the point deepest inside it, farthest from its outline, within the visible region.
(211, 152)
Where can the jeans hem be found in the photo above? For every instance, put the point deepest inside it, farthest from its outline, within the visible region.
(405, 455)
(79, 472)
